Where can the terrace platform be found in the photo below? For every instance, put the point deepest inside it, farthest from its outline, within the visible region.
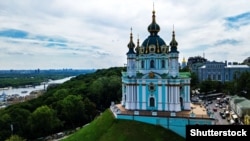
(196, 111)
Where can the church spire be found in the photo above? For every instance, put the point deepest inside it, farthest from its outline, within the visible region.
(131, 44)
(173, 43)
(138, 46)
(153, 28)
(153, 16)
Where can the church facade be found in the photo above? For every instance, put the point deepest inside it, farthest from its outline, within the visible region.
(153, 89)
(152, 80)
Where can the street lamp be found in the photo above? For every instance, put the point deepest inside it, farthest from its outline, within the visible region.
(11, 128)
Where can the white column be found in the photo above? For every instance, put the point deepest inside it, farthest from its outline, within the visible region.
(176, 94)
(160, 97)
(143, 97)
(131, 96)
(166, 98)
(188, 93)
(138, 97)
(134, 97)
(172, 94)
(177, 99)
(127, 97)
(170, 99)
(131, 93)
(123, 94)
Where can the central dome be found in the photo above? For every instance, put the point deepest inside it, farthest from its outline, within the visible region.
(153, 40)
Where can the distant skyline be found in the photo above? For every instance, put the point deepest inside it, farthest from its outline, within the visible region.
(81, 34)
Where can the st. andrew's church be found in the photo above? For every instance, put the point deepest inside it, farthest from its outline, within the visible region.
(153, 80)
(153, 89)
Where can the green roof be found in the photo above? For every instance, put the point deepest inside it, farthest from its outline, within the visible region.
(244, 104)
(185, 74)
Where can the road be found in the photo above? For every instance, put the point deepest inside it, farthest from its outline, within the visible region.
(217, 116)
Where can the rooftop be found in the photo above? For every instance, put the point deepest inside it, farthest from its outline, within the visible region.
(237, 66)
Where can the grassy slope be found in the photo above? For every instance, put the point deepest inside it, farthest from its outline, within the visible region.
(107, 128)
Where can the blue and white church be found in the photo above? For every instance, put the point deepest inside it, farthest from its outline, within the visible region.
(153, 89)
(152, 80)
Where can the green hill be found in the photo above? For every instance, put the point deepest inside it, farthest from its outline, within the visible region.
(107, 128)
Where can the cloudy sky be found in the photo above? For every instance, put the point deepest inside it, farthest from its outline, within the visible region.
(86, 34)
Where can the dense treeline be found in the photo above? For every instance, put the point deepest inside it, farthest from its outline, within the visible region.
(28, 79)
(66, 106)
(20, 79)
(239, 86)
(78, 101)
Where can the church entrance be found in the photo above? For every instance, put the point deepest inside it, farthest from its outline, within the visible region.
(152, 102)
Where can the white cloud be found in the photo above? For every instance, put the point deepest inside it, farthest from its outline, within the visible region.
(96, 33)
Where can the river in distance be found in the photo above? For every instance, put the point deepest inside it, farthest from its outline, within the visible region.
(27, 90)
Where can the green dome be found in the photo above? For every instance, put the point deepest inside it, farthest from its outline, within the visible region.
(153, 40)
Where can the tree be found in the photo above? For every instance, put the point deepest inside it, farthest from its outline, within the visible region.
(104, 90)
(228, 88)
(243, 84)
(206, 86)
(194, 80)
(5, 122)
(42, 121)
(73, 110)
(19, 120)
(15, 138)
(89, 109)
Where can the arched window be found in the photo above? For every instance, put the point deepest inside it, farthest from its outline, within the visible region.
(162, 63)
(142, 64)
(152, 102)
(152, 64)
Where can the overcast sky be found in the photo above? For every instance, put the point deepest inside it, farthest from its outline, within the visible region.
(86, 34)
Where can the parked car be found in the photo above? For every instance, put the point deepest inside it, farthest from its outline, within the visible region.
(223, 116)
(220, 106)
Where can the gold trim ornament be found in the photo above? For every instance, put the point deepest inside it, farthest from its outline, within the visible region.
(151, 74)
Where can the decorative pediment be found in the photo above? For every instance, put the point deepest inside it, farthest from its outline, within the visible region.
(151, 75)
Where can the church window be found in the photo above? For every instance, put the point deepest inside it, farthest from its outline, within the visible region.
(151, 48)
(142, 64)
(142, 50)
(163, 50)
(209, 76)
(152, 64)
(151, 87)
(219, 77)
(163, 63)
(152, 102)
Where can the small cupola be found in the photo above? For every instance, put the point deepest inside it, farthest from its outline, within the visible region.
(173, 43)
(137, 48)
(131, 44)
(153, 28)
